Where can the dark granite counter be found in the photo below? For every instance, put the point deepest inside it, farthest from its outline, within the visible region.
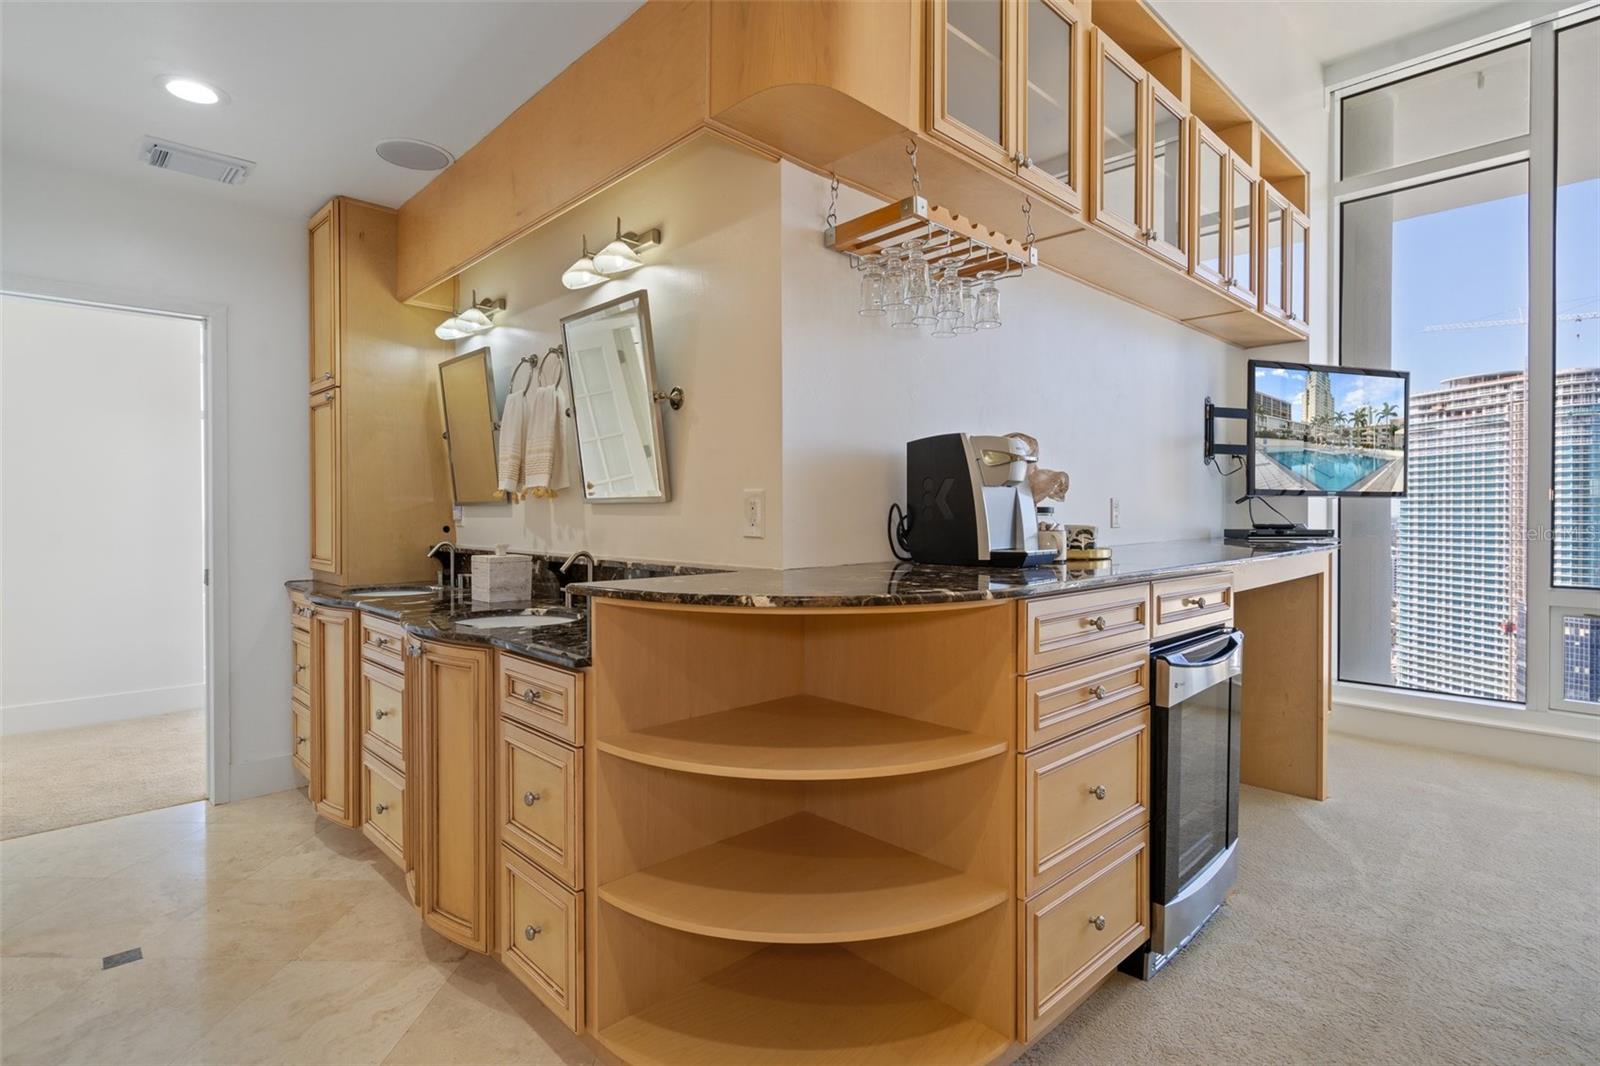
(434, 615)
(901, 584)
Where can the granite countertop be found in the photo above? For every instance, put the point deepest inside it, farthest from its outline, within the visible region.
(899, 584)
(434, 615)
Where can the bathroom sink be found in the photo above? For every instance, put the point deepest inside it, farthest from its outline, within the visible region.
(409, 590)
(533, 618)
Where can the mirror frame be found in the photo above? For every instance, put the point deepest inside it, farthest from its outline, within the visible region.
(657, 426)
(494, 422)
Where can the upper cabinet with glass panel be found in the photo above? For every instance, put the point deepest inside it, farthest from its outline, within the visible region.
(621, 448)
(1049, 105)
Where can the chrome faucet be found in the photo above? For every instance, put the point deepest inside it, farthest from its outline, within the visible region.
(588, 566)
(433, 553)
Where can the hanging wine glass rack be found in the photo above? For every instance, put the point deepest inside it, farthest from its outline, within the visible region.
(947, 237)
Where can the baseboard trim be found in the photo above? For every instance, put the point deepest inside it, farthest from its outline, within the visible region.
(262, 777)
(1546, 750)
(92, 710)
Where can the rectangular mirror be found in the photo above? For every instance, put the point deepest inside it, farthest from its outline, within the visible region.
(466, 387)
(612, 361)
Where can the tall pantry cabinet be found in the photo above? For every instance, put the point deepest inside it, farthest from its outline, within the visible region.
(380, 489)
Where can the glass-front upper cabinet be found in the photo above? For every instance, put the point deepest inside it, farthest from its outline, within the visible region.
(1051, 53)
(1210, 231)
(1274, 262)
(1118, 133)
(1165, 207)
(973, 77)
(1299, 268)
(1244, 190)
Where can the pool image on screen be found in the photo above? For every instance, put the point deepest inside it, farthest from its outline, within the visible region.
(1326, 431)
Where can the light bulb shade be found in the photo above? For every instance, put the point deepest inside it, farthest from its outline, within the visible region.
(617, 258)
(451, 329)
(473, 321)
(582, 275)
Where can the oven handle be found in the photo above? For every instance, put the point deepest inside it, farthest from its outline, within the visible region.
(1178, 679)
(1234, 641)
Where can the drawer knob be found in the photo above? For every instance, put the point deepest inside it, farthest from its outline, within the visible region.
(531, 931)
(1194, 601)
(327, 375)
(299, 740)
(299, 668)
(1098, 921)
(1098, 792)
(531, 694)
(382, 642)
(1098, 692)
(530, 798)
(380, 715)
(380, 808)
(1099, 622)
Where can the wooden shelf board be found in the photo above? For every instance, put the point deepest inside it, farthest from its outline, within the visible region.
(802, 738)
(801, 1006)
(802, 880)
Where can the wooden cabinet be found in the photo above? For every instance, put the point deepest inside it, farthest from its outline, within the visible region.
(972, 74)
(541, 936)
(335, 757)
(540, 805)
(1050, 137)
(1140, 186)
(383, 803)
(379, 489)
(1080, 625)
(1299, 264)
(1209, 229)
(455, 808)
(1244, 197)
(1068, 699)
(300, 737)
(383, 700)
(1185, 604)
(1273, 298)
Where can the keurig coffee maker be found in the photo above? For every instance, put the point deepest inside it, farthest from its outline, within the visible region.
(969, 502)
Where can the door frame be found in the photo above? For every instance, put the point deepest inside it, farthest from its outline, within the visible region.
(213, 319)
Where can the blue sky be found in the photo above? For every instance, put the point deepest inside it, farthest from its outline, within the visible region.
(1349, 390)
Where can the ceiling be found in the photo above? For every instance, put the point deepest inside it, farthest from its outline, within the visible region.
(313, 86)
(1326, 30)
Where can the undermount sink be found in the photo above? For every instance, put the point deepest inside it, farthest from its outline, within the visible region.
(410, 590)
(533, 618)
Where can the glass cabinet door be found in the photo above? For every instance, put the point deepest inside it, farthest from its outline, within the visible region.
(1209, 230)
(1274, 271)
(1050, 31)
(1299, 267)
(972, 72)
(1169, 181)
(1244, 187)
(1119, 170)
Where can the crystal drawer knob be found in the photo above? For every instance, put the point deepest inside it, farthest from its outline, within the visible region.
(299, 668)
(382, 642)
(531, 931)
(380, 715)
(531, 694)
(1194, 601)
(1098, 692)
(1099, 622)
(1098, 921)
(299, 740)
(1098, 792)
(530, 798)
(380, 808)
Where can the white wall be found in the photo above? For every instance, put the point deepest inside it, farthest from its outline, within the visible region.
(156, 246)
(714, 307)
(101, 509)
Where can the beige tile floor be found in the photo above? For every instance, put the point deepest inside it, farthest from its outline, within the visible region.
(268, 937)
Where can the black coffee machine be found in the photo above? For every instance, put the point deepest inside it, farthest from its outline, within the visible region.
(968, 502)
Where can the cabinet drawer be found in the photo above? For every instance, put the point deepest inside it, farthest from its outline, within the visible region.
(383, 700)
(1068, 629)
(1188, 603)
(300, 641)
(541, 801)
(383, 799)
(541, 936)
(1077, 933)
(1080, 794)
(542, 698)
(300, 611)
(300, 719)
(383, 642)
(1063, 701)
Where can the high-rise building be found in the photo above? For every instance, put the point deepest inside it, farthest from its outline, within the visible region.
(1461, 558)
(1318, 398)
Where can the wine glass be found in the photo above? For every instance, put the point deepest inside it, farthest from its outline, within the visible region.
(969, 308)
(987, 315)
(917, 287)
(872, 287)
(949, 294)
(894, 279)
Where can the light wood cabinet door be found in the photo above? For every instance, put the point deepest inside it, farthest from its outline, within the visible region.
(300, 723)
(383, 804)
(1117, 134)
(383, 700)
(335, 749)
(971, 75)
(1244, 198)
(325, 481)
(1080, 625)
(456, 733)
(1166, 200)
(541, 801)
(1185, 604)
(1050, 135)
(1209, 230)
(541, 936)
(324, 373)
(1273, 299)
(1299, 270)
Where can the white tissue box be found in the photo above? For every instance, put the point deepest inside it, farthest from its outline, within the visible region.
(499, 578)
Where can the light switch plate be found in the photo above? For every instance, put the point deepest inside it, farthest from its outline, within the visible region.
(1116, 512)
(755, 513)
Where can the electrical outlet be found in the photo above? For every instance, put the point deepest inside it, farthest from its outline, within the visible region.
(755, 513)
(1116, 512)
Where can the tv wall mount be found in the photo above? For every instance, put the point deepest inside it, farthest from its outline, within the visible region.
(1213, 449)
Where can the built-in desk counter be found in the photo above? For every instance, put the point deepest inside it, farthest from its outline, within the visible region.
(883, 813)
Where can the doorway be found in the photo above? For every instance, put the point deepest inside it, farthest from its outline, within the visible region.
(103, 562)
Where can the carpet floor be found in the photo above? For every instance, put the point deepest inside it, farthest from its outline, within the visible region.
(65, 777)
(1438, 908)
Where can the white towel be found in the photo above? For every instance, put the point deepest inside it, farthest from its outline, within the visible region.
(513, 442)
(544, 473)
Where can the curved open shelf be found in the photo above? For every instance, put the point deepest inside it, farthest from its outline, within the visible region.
(802, 738)
(801, 880)
(789, 1006)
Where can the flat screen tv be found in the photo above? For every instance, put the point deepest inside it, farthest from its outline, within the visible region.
(1326, 430)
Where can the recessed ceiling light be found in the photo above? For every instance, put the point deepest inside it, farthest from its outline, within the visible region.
(413, 154)
(188, 89)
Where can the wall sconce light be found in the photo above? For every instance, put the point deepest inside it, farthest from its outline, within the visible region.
(618, 257)
(473, 320)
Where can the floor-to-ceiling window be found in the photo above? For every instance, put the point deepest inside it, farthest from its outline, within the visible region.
(1467, 207)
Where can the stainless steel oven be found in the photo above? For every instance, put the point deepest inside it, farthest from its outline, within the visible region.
(1194, 787)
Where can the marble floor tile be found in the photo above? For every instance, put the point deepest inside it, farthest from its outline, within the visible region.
(254, 919)
(383, 927)
(322, 1012)
(332, 853)
(229, 850)
(28, 985)
(149, 1011)
(107, 916)
(22, 898)
(482, 1015)
(99, 849)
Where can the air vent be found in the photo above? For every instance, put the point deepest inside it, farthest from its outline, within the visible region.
(213, 166)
